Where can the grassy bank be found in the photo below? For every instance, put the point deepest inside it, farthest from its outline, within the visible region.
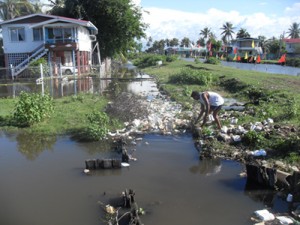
(69, 115)
(266, 96)
(278, 95)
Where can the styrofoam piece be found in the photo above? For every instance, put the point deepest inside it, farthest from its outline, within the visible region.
(264, 215)
(284, 220)
(124, 164)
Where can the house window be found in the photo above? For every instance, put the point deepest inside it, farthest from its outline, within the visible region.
(38, 34)
(58, 34)
(17, 34)
(67, 33)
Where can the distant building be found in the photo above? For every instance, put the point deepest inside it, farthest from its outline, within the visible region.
(241, 46)
(292, 47)
(185, 51)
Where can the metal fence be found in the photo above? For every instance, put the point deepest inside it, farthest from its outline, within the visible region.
(38, 73)
(41, 79)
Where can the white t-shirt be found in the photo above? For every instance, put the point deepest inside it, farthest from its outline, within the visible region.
(214, 99)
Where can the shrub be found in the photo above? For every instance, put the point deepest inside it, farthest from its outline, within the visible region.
(97, 127)
(295, 62)
(190, 76)
(147, 60)
(32, 108)
(212, 60)
(253, 139)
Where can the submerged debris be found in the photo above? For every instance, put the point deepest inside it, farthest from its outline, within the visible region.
(126, 211)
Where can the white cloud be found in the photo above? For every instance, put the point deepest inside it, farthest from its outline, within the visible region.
(294, 10)
(167, 23)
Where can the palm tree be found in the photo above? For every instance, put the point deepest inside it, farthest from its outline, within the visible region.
(227, 31)
(185, 42)
(10, 9)
(242, 33)
(174, 42)
(205, 32)
(294, 31)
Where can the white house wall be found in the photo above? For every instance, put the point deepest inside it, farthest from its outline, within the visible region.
(84, 41)
(19, 46)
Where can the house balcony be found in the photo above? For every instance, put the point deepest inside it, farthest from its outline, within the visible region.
(61, 44)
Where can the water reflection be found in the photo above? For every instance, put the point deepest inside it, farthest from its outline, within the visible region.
(31, 146)
(207, 167)
(167, 171)
(57, 87)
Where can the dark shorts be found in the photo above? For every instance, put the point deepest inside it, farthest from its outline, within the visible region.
(215, 108)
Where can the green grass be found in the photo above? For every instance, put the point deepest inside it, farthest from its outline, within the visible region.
(69, 114)
(279, 89)
(279, 97)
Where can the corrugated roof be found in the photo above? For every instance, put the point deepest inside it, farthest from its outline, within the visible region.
(51, 19)
(291, 40)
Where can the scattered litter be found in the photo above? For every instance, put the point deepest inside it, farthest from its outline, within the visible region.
(109, 209)
(260, 152)
(210, 117)
(236, 138)
(264, 215)
(289, 198)
(284, 220)
(86, 171)
(224, 129)
(124, 164)
(233, 120)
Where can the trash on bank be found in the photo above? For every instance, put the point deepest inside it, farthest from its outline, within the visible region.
(264, 215)
(284, 220)
(260, 152)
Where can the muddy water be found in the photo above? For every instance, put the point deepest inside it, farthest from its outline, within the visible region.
(42, 181)
(46, 185)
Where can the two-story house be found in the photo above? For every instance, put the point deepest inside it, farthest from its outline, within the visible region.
(241, 46)
(292, 46)
(62, 41)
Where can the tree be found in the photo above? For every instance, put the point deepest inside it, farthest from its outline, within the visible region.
(227, 31)
(242, 33)
(205, 33)
(167, 41)
(294, 31)
(263, 43)
(119, 22)
(273, 45)
(174, 42)
(201, 42)
(185, 42)
(10, 9)
(149, 42)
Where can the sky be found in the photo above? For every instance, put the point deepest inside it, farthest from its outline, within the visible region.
(186, 18)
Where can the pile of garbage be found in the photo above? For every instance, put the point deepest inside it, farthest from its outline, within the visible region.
(149, 114)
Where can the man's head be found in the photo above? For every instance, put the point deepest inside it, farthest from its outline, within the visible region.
(195, 95)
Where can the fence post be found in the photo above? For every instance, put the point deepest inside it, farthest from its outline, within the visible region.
(12, 71)
(42, 79)
(60, 72)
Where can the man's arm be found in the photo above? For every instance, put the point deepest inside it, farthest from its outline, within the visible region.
(200, 114)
